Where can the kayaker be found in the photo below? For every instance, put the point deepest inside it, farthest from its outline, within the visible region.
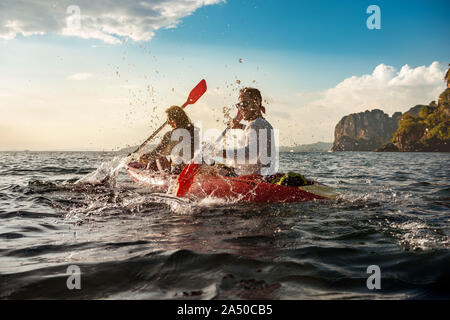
(157, 158)
(257, 155)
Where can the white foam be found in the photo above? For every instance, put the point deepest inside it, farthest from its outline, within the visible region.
(106, 172)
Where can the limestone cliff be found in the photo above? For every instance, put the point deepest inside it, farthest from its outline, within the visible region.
(365, 131)
(423, 128)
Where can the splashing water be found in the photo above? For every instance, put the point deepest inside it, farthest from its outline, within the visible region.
(106, 172)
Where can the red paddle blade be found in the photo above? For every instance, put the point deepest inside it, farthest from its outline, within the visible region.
(197, 92)
(186, 178)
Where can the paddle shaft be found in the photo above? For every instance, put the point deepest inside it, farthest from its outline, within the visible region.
(236, 119)
(186, 177)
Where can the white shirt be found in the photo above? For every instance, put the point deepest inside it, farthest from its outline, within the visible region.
(258, 155)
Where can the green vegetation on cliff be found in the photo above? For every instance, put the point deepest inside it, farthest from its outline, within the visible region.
(428, 131)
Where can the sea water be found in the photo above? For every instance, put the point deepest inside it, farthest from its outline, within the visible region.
(130, 242)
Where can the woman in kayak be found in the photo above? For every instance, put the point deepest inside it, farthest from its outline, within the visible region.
(157, 158)
(258, 152)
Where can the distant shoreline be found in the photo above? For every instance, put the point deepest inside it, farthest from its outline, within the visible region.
(281, 151)
(312, 147)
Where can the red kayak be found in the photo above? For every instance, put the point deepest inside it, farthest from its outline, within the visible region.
(237, 189)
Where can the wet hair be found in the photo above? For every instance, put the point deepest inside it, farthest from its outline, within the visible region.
(180, 117)
(254, 93)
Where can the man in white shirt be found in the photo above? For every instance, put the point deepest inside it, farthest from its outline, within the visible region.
(259, 153)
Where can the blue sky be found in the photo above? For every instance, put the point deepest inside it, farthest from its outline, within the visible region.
(329, 34)
(315, 61)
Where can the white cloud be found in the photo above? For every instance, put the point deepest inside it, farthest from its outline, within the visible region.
(386, 88)
(80, 76)
(106, 20)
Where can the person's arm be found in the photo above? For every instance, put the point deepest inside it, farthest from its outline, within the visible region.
(159, 151)
(235, 124)
(249, 150)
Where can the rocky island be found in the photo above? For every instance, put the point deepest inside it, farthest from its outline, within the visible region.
(423, 128)
(364, 131)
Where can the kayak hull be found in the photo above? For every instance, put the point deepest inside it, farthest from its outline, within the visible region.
(246, 189)
(236, 189)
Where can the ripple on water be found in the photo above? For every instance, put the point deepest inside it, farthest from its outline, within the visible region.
(133, 243)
